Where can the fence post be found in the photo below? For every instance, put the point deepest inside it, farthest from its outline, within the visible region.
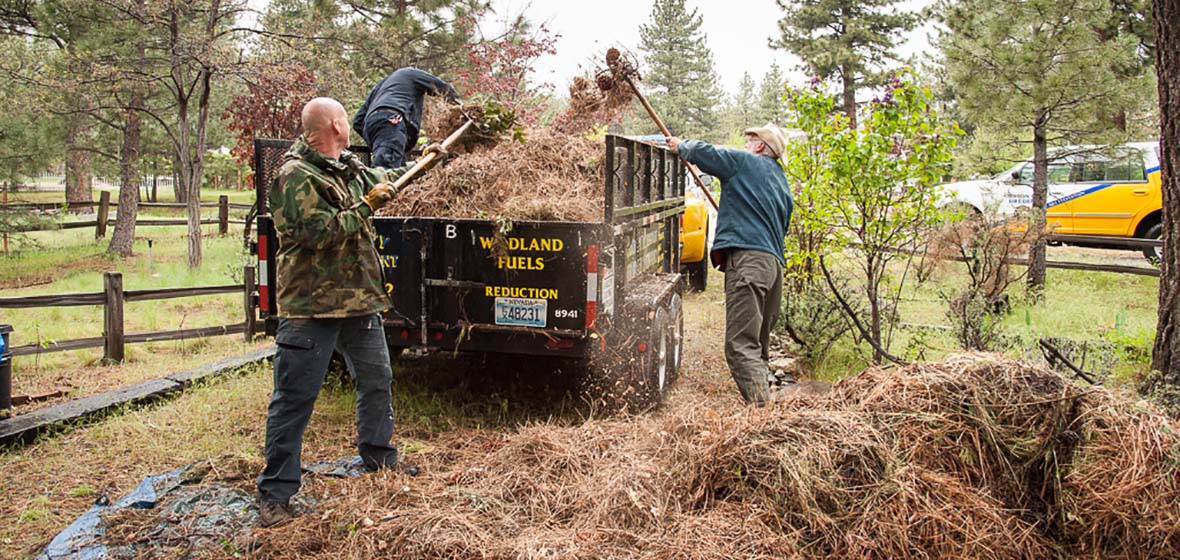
(223, 214)
(112, 287)
(104, 208)
(251, 315)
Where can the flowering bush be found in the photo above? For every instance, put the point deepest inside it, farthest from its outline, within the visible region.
(867, 193)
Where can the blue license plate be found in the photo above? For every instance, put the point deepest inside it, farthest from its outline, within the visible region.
(521, 312)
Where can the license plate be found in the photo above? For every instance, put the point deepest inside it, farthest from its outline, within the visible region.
(521, 312)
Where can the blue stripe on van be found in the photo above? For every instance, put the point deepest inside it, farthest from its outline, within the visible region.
(1078, 194)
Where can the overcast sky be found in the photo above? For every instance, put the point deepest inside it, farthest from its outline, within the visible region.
(737, 30)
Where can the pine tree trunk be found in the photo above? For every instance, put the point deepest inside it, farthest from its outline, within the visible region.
(1040, 197)
(124, 237)
(849, 82)
(79, 182)
(1164, 383)
(179, 192)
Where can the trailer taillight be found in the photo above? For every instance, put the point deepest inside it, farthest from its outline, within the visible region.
(591, 286)
(263, 274)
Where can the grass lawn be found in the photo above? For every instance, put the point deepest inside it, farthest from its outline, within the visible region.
(1113, 316)
(165, 194)
(71, 261)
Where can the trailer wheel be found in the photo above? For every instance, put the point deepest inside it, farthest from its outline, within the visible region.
(676, 327)
(654, 363)
(698, 275)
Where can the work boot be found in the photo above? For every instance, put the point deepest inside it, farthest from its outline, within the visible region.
(271, 514)
(407, 468)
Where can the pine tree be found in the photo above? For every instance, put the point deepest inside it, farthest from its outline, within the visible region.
(848, 39)
(745, 103)
(739, 112)
(680, 75)
(771, 107)
(1036, 71)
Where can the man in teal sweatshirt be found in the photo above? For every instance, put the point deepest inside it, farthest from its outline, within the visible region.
(752, 221)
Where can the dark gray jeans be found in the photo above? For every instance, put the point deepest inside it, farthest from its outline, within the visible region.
(753, 293)
(304, 349)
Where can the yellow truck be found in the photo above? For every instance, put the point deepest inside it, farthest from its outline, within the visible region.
(694, 241)
(1093, 191)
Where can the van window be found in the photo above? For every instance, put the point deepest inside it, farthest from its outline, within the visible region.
(1126, 167)
(1058, 173)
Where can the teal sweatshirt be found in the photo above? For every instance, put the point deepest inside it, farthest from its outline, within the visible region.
(756, 202)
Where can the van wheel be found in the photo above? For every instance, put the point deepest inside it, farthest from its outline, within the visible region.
(1154, 254)
(698, 275)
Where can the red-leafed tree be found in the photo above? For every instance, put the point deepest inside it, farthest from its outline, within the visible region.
(275, 95)
(499, 69)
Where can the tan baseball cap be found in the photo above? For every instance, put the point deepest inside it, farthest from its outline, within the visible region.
(772, 135)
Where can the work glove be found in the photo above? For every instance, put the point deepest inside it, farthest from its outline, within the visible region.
(440, 154)
(379, 196)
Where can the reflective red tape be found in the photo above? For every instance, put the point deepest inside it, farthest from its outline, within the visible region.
(591, 285)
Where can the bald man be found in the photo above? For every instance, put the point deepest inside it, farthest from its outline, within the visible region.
(330, 296)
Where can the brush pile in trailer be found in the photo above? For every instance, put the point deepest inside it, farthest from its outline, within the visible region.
(557, 173)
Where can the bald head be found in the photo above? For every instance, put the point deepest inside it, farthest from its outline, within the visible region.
(325, 126)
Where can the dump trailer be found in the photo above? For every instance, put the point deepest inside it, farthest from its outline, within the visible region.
(605, 295)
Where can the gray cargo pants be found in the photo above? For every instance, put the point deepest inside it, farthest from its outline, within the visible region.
(753, 293)
(301, 362)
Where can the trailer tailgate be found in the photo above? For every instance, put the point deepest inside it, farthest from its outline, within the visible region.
(457, 273)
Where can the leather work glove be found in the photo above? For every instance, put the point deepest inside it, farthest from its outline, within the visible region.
(440, 154)
(379, 196)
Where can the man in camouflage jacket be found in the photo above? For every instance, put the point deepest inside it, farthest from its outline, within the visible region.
(330, 296)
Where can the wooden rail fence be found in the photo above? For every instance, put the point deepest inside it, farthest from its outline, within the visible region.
(112, 299)
(103, 213)
(1065, 265)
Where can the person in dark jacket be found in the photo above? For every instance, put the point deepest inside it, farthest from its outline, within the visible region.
(752, 221)
(391, 117)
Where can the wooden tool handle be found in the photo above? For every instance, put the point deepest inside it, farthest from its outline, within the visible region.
(428, 158)
(692, 169)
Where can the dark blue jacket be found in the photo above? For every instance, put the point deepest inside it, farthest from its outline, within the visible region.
(403, 92)
(756, 203)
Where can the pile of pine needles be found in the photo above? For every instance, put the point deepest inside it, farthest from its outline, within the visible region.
(973, 457)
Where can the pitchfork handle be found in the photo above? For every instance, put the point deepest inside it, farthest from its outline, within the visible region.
(425, 160)
(692, 169)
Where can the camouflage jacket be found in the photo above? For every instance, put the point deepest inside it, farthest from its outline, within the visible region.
(327, 263)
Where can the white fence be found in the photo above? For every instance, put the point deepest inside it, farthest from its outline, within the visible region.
(56, 181)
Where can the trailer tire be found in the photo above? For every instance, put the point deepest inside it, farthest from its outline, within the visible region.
(653, 377)
(676, 332)
(698, 275)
